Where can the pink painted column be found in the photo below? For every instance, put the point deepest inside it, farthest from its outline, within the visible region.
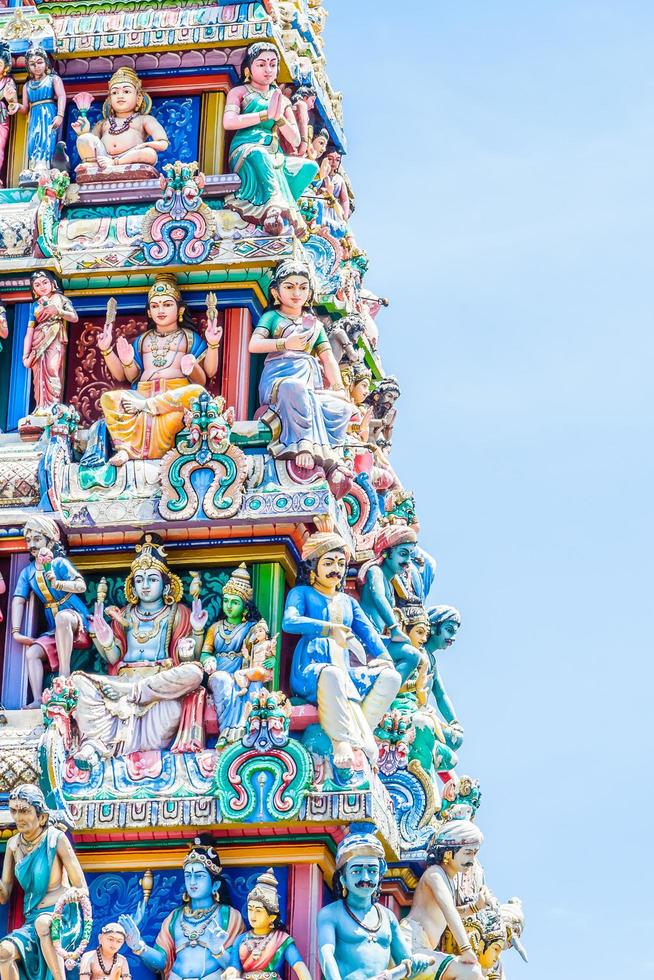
(305, 890)
(236, 360)
(14, 680)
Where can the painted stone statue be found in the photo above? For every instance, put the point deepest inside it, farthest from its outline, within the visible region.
(452, 852)
(339, 663)
(256, 111)
(41, 859)
(266, 948)
(59, 587)
(46, 339)
(312, 419)
(236, 655)
(44, 100)
(167, 367)
(195, 938)
(106, 961)
(8, 98)
(151, 646)
(332, 198)
(444, 622)
(358, 937)
(399, 574)
(127, 135)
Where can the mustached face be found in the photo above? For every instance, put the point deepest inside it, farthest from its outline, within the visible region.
(330, 569)
(361, 877)
(463, 859)
(399, 558)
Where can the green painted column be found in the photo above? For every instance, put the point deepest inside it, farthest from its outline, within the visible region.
(269, 585)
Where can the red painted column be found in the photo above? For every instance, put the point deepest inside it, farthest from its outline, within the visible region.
(236, 360)
(305, 891)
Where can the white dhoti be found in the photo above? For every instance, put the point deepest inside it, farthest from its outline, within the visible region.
(137, 711)
(347, 720)
(418, 942)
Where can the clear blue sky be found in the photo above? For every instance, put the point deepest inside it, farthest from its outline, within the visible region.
(503, 155)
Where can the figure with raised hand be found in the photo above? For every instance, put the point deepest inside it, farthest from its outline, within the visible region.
(41, 859)
(256, 112)
(151, 646)
(126, 134)
(266, 948)
(194, 940)
(57, 584)
(106, 962)
(167, 367)
(359, 937)
(237, 655)
(339, 663)
(46, 339)
(312, 420)
(44, 100)
(444, 623)
(452, 852)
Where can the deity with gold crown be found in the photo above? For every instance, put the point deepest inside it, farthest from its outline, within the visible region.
(237, 655)
(127, 135)
(152, 695)
(167, 367)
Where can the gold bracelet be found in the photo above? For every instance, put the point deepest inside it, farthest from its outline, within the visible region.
(213, 346)
(280, 344)
(105, 351)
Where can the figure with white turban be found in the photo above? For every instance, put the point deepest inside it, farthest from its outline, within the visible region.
(452, 852)
(340, 663)
(59, 587)
(358, 937)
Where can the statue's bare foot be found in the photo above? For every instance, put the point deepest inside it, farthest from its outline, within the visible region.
(119, 458)
(343, 755)
(87, 757)
(32, 705)
(305, 461)
(104, 163)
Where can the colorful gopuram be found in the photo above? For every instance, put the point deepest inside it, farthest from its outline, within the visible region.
(226, 745)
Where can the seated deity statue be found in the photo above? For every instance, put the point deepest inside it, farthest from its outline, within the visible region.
(237, 655)
(41, 860)
(452, 852)
(358, 937)
(340, 663)
(312, 419)
(152, 645)
(266, 948)
(167, 367)
(398, 575)
(59, 587)
(106, 960)
(256, 112)
(196, 938)
(126, 135)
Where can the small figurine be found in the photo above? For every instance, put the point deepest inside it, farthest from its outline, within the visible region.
(303, 101)
(44, 98)
(106, 962)
(195, 938)
(382, 399)
(59, 587)
(313, 419)
(271, 183)
(351, 697)
(151, 647)
(230, 650)
(41, 859)
(358, 937)
(126, 134)
(4, 325)
(318, 145)
(399, 574)
(46, 339)
(168, 366)
(333, 200)
(8, 98)
(445, 622)
(266, 948)
(452, 852)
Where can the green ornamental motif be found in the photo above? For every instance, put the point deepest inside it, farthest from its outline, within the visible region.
(256, 788)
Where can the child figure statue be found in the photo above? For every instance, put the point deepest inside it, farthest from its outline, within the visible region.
(106, 962)
(127, 140)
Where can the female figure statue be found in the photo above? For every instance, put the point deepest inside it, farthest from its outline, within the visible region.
(256, 111)
(235, 656)
(44, 350)
(8, 98)
(266, 948)
(44, 98)
(167, 367)
(332, 198)
(312, 420)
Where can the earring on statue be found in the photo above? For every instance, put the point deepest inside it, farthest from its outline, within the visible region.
(312, 578)
(247, 74)
(344, 890)
(180, 315)
(168, 599)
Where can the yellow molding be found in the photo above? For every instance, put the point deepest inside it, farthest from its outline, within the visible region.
(204, 557)
(212, 132)
(215, 287)
(273, 852)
